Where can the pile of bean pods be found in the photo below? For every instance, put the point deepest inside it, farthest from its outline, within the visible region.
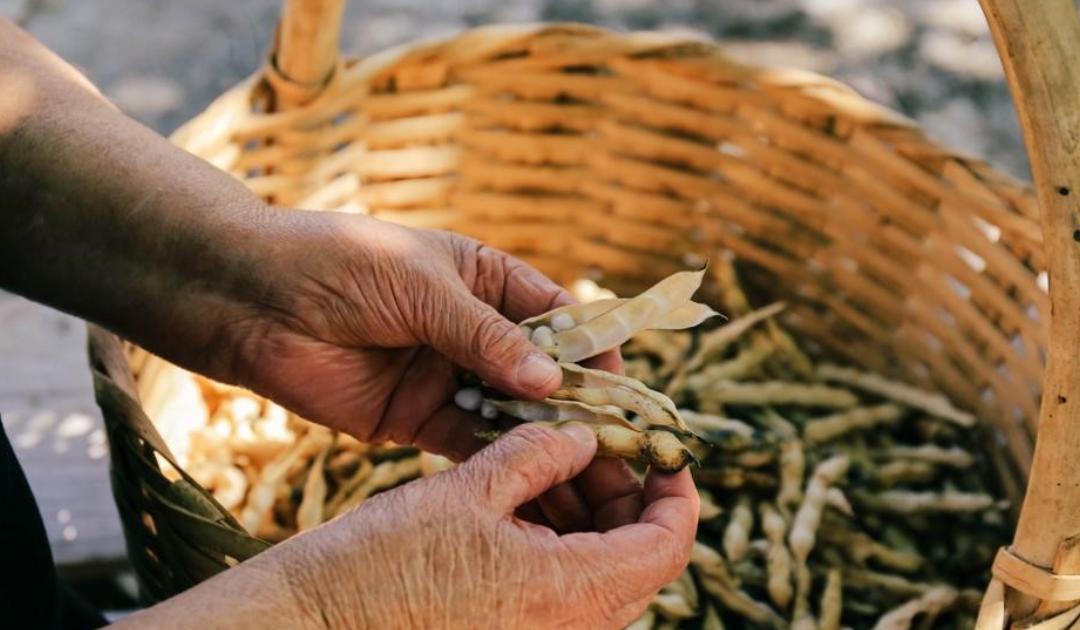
(831, 497)
(275, 472)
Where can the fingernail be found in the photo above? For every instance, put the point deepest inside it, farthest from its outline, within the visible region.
(536, 371)
(580, 433)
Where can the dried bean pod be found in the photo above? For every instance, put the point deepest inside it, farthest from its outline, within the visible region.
(579, 313)
(954, 457)
(777, 559)
(615, 327)
(728, 478)
(712, 620)
(837, 500)
(831, 608)
(709, 508)
(737, 532)
(596, 387)
(723, 433)
(672, 606)
(778, 393)
(902, 471)
(792, 470)
(551, 410)
(718, 582)
(931, 604)
(667, 346)
(808, 518)
(644, 622)
(735, 369)
(932, 403)
(717, 341)
(658, 448)
(862, 548)
(310, 512)
(908, 502)
(802, 618)
(836, 425)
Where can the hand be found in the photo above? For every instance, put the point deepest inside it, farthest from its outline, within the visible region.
(363, 321)
(447, 552)
(363, 324)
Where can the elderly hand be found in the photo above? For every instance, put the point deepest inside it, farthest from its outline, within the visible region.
(362, 321)
(447, 552)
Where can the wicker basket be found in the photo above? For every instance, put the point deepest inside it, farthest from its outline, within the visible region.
(587, 152)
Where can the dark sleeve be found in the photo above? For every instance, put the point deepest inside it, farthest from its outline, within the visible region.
(30, 594)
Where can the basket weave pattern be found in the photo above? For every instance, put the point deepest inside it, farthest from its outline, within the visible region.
(629, 157)
(584, 151)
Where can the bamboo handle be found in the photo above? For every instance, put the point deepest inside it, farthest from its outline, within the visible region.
(1038, 41)
(309, 34)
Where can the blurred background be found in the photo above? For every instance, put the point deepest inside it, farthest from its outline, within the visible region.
(163, 61)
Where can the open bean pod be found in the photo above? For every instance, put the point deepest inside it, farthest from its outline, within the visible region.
(580, 331)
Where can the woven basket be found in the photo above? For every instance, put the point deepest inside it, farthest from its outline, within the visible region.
(626, 158)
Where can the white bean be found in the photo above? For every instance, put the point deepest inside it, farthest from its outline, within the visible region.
(562, 321)
(469, 399)
(543, 337)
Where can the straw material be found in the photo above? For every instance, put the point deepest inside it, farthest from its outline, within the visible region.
(177, 535)
(625, 158)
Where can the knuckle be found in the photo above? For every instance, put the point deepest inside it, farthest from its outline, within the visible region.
(491, 274)
(496, 339)
(538, 441)
(673, 557)
(536, 454)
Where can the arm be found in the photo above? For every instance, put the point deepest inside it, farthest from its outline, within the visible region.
(350, 322)
(103, 218)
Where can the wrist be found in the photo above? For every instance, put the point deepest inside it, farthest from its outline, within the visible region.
(227, 284)
(255, 595)
(332, 575)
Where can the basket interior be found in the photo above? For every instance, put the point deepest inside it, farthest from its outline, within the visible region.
(624, 158)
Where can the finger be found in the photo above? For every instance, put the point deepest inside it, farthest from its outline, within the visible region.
(565, 508)
(526, 462)
(640, 558)
(474, 335)
(522, 290)
(610, 361)
(426, 385)
(612, 492)
(452, 432)
(673, 503)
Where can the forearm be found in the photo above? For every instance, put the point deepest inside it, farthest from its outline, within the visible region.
(103, 218)
(255, 595)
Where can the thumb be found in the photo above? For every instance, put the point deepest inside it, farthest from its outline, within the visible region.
(478, 338)
(528, 461)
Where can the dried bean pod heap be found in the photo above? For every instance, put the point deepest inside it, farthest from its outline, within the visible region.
(831, 497)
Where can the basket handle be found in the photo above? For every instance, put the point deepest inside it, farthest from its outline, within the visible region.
(1038, 42)
(305, 51)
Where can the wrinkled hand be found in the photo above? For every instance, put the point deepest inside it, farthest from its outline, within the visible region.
(362, 321)
(447, 552)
